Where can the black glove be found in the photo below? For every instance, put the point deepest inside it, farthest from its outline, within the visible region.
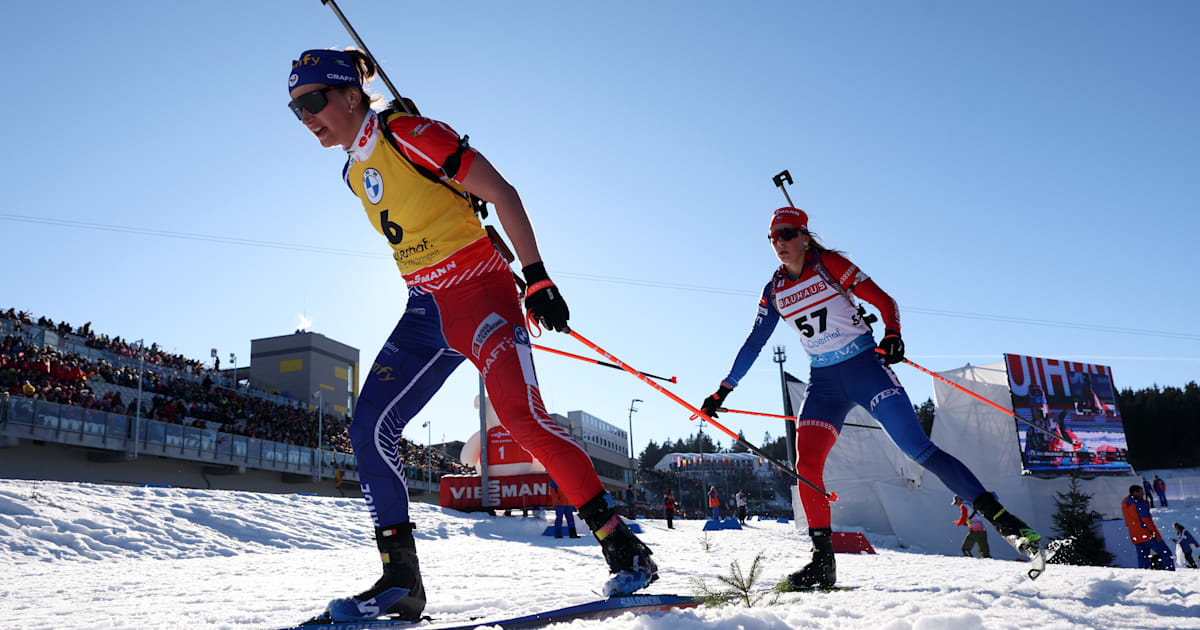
(543, 301)
(891, 347)
(714, 402)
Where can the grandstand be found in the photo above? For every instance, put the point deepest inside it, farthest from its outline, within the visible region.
(81, 406)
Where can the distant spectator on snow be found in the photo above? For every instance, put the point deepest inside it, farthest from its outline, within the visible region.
(976, 534)
(1186, 544)
(669, 506)
(1151, 550)
(1149, 492)
(714, 502)
(562, 510)
(740, 500)
(1160, 488)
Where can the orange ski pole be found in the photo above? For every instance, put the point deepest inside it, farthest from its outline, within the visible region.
(831, 496)
(993, 405)
(782, 417)
(616, 367)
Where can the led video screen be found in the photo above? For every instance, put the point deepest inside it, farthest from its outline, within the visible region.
(1068, 415)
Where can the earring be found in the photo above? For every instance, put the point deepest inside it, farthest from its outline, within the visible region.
(351, 110)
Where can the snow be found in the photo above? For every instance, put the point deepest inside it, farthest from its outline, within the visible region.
(107, 556)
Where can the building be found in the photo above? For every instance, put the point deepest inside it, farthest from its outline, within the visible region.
(607, 445)
(301, 364)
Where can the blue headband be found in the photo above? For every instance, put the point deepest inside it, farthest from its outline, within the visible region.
(324, 66)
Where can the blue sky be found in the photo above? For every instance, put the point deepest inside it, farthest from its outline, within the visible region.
(986, 164)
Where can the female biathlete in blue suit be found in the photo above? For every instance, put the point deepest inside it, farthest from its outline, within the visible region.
(813, 291)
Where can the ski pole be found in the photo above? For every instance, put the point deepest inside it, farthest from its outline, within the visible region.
(779, 179)
(398, 103)
(782, 417)
(615, 367)
(830, 496)
(1075, 443)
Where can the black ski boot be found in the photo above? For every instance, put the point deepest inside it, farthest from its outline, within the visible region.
(399, 592)
(628, 558)
(821, 572)
(1022, 537)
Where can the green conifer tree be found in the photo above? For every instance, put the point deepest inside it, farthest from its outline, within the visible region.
(1076, 521)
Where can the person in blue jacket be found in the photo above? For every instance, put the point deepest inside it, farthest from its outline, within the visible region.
(1148, 493)
(1160, 488)
(1186, 544)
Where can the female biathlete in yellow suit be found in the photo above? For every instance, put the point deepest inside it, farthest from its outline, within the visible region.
(411, 174)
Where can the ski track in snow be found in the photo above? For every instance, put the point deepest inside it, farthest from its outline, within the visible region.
(97, 556)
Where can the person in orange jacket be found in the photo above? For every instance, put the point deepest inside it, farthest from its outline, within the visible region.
(1151, 550)
(562, 510)
(714, 502)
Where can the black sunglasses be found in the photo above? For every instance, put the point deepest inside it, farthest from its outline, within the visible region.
(313, 101)
(783, 235)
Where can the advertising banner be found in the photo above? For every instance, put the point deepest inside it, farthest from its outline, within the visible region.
(1071, 409)
(462, 492)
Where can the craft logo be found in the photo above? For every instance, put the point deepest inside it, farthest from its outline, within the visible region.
(373, 185)
(504, 346)
(489, 325)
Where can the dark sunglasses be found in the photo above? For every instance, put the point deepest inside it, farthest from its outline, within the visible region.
(313, 101)
(784, 235)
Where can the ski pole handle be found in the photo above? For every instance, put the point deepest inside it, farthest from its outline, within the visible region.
(779, 180)
(830, 496)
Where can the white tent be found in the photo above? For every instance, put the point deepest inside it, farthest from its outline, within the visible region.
(882, 491)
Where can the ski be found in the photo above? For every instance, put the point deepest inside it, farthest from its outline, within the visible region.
(599, 609)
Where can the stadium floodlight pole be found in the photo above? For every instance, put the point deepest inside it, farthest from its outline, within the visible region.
(398, 103)
(779, 180)
(782, 417)
(1075, 443)
(696, 413)
(594, 361)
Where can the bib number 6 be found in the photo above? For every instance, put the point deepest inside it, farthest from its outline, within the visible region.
(393, 231)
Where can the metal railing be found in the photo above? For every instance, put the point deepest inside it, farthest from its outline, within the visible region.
(68, 424)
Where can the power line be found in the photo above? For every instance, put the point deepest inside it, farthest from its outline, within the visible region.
(640, 282)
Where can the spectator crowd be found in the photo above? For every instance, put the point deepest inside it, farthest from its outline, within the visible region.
(53, 375)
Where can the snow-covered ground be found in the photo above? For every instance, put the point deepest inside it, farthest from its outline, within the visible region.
(98, 556)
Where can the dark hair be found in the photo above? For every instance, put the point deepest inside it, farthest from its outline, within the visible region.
(814, 242)
(366, 69)
(1134, 488)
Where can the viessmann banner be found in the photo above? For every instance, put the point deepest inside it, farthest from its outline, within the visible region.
(1073, 409)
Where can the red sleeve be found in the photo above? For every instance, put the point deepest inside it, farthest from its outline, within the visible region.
(429, 142)
(854, 280)
(962, 520)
